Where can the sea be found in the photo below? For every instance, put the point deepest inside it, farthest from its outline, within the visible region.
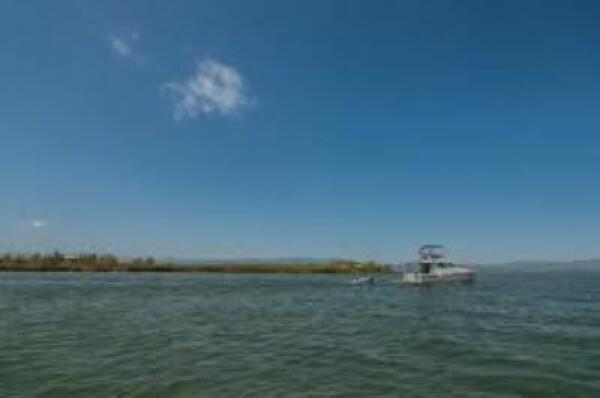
(514, 332)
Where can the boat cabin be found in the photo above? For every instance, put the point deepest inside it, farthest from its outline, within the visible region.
(432, 256)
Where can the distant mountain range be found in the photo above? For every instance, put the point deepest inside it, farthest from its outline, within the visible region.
(590, 264)
(250, 260)
(525, 264)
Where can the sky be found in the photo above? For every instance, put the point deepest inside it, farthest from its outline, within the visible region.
(227, 129)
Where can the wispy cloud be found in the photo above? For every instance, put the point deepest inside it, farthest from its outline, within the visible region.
(39, 223)
(124, 45)
(214, 88)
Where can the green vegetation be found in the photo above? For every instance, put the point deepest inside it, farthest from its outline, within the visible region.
(58, 262)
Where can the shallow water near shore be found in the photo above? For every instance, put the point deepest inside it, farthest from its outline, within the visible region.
(510, 334)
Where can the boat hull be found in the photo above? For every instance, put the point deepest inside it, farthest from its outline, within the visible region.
(455, 275)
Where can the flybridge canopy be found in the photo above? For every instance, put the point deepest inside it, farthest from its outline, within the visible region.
(432, 252)
(426, 247)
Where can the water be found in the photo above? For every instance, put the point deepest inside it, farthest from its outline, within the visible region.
(510, 334)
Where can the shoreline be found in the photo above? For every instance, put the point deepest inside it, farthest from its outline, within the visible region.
(57, 262)
(217, 269)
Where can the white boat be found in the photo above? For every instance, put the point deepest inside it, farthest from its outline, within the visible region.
(363, 280)
(433, 267)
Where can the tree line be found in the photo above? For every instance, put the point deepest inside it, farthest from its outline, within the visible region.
(93, 262)
(60, 262)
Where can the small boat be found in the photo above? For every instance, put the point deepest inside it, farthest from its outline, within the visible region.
(433, 267)
(364, 280)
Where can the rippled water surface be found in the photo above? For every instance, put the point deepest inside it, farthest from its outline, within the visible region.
(510, 334)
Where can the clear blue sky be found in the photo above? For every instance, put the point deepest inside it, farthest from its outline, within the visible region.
(315, 128)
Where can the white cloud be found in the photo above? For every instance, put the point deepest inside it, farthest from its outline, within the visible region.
(214, 88)
(39, 224)
(124, 45)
